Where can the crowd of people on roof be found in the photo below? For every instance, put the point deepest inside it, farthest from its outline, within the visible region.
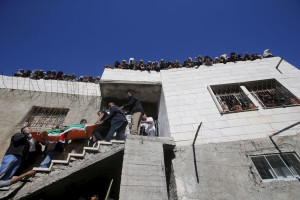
(189, 63)
(52, 75)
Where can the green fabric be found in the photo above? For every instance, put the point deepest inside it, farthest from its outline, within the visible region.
(58, 131)
(75, 125)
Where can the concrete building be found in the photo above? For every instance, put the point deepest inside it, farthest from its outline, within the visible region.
(239, 105)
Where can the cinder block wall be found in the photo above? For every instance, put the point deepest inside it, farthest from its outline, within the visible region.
(189, 102)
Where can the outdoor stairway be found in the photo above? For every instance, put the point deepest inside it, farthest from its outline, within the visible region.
(95, 149)
(61, 169)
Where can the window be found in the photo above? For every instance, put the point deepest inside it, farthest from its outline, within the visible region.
(277, 166)
(270, 93)
(231, 98)
(45, 117)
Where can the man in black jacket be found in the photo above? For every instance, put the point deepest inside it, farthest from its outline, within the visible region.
(136, 110)
(117, 120)
(16, 152)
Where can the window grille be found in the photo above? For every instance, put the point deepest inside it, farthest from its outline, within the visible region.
(44, 117)
(270, 93)
(232, 98)
(277, 166)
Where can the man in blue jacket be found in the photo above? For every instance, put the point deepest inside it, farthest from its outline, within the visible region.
(16, 152)
(117, 120)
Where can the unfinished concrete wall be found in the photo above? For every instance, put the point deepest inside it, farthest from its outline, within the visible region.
(17, 103)
(226, 172)
(143, 172)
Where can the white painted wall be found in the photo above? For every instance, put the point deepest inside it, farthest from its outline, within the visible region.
(127, 75)
(163, 121)
(189, 102)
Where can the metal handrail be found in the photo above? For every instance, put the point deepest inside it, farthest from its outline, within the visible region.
(286, 128)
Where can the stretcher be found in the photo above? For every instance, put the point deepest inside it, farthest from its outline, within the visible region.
(75, 131)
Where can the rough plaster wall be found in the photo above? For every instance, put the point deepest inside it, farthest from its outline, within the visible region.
(16, 103)
(143, 173)
(163, 121)
(225, 171)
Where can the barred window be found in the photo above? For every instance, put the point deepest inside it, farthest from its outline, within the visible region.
(270, 93)
(277, 166)
(231, 98)
(44, 117)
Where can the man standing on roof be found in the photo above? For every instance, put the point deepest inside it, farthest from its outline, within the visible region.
(136, 110)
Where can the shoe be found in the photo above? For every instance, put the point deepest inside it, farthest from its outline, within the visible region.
(91, 143)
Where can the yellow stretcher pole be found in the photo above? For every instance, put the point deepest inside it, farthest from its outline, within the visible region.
(108, 191)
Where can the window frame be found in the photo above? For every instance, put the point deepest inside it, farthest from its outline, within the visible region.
(251, 95)
(276, 82)
(272, 172)
(239, 85)
(44, 117)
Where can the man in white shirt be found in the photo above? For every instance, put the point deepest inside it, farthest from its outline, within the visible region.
(148, 124)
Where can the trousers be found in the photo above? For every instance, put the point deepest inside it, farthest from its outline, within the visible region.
(119, 128)
(136, 120)
(9, 166)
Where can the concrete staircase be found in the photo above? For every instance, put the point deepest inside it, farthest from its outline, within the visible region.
(61, 169)
(75, 156)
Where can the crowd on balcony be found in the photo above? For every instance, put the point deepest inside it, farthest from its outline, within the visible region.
(189, 63)
(52, 75)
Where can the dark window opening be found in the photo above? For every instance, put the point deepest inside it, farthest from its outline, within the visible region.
(277, 166)
(270, 93)
(151, 109)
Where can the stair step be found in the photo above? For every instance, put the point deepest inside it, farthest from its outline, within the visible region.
(39, 169)
(118, 141)
(105, 143)
(60, 161)
(73, 156)
(91, 148)
(77, 155)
